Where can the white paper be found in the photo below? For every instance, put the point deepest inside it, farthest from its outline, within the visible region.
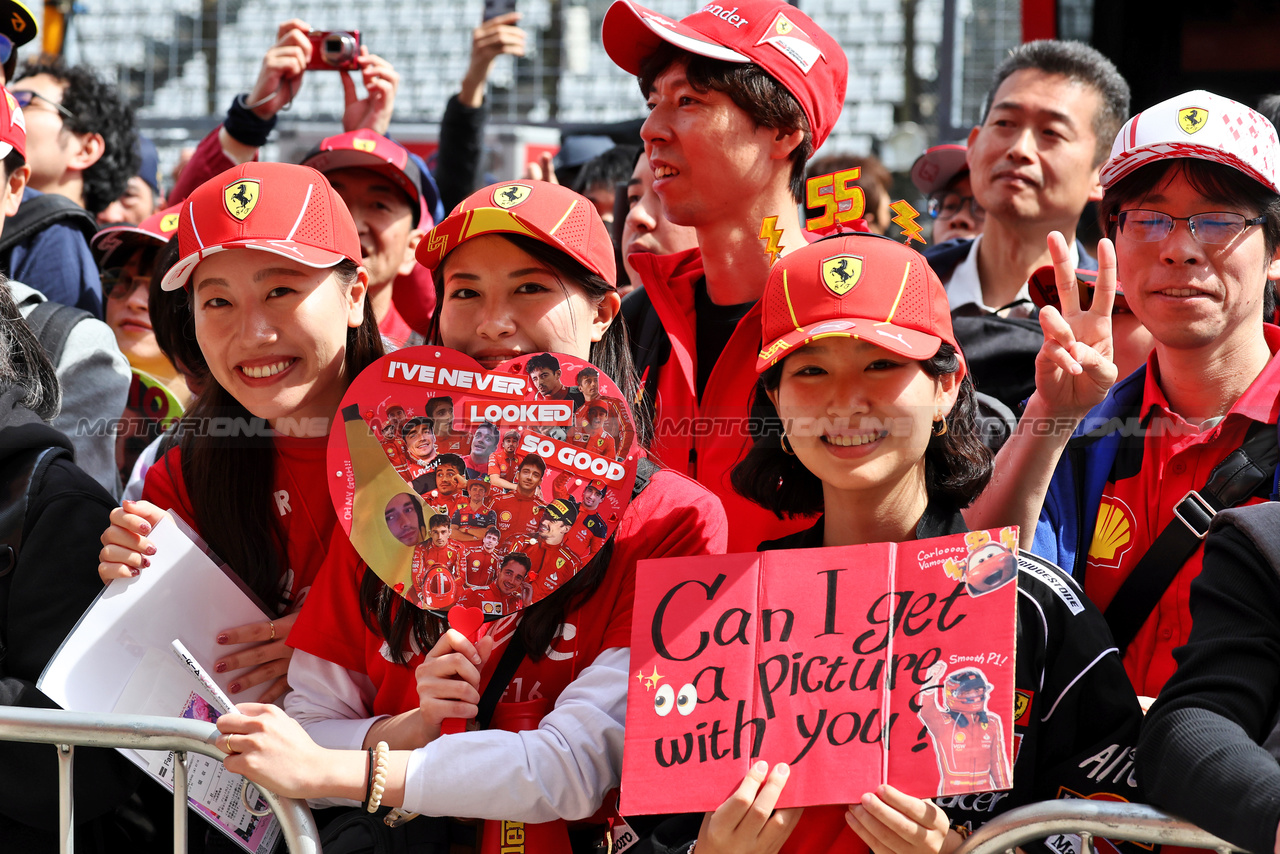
(118, 660)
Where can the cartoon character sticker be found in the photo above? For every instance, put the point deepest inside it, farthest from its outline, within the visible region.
(989, 565)
(967, 738)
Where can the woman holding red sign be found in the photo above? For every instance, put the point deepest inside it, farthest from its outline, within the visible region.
(520, 269)
(271, 259)
(864, 412)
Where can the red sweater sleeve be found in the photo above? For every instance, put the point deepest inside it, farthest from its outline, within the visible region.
(330, 617)
(165, 488)
(208, 161)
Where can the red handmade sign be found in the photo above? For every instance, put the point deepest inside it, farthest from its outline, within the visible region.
(859, 665)
(485, 489)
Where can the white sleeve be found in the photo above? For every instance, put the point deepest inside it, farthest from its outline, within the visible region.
(562, 769)
(332, 703)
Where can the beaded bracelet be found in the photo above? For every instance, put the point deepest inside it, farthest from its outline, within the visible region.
(379, 776)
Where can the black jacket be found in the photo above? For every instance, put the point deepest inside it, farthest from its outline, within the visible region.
(53, 581)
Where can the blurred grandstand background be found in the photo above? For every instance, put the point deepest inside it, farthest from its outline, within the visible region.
(912, 80)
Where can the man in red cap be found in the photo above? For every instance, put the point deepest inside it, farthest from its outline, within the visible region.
(941, 175)
(739, 98)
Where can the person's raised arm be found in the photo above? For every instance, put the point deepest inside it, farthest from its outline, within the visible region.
(492, 39)
(457, 166)
(373, 111)
(1074, 372)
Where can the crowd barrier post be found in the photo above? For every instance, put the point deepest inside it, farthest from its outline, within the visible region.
(67, 730)
(1088, 820)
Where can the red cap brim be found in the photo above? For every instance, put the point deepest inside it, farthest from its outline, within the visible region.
(308, 256)
(909, 343)
(631, 33)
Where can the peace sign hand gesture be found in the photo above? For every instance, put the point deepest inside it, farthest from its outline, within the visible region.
(1075, 367)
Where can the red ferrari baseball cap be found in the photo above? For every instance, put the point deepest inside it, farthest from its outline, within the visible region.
(13, 127)
(776, 36)
(157, 228)
(934, 169)
(861, 286)
(550, 213)
(365, 149)
(281, 208)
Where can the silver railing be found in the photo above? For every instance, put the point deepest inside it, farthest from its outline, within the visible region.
(67, 730)
(1088, 820)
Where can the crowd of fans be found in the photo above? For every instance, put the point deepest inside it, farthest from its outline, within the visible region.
(1117, 401)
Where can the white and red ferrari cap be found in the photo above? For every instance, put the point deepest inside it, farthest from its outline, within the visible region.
(281, 208)
(1202, 126)
(13, 127)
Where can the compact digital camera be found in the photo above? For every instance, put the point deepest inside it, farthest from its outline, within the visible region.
(334, 50)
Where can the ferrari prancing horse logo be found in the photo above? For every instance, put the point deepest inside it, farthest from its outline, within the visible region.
(511, 195)
(841, 273)
(1191, 119)
(241, 197)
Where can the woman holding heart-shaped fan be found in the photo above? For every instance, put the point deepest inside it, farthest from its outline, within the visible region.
(270, 258)
(520, 269)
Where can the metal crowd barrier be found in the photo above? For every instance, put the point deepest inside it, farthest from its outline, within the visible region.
(66, 730)
(1088, 820)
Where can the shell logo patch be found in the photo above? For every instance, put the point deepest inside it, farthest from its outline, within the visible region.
(958, 738)
(1113, 535)
(510, 195)
(168, 222)
(365, 145)
(841, 273)
(505, 516)
(1191, 119)
(241, 197)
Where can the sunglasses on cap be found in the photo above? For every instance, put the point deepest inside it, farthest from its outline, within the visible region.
(1043, 286)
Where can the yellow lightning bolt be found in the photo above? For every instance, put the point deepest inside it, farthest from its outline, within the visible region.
(651, 681)
(770, 233)
(906, 220)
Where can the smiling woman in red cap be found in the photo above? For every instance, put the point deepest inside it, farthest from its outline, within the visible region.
(520, 268)
(864, 412)
(271, 259)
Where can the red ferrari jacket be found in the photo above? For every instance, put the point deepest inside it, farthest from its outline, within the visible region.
(703, 439)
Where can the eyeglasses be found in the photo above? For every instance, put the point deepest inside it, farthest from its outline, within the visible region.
(24, 97)
(116, 285)
(6, 49)
(949, 205)
(1210, 228)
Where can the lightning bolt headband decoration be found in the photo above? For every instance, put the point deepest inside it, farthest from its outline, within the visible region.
(772, 236)
(906, 220)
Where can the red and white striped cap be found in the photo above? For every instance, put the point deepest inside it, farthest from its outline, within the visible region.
(281, 208)
(1202, 126)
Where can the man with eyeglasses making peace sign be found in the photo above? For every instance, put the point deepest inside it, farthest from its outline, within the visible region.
(1192, 203)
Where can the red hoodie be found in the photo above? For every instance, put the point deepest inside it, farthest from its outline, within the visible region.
(706, 439)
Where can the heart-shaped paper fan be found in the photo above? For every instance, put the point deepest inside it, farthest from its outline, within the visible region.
(485, 489)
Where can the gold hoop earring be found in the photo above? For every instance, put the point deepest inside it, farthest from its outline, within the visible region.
(786, 446)
(940, 431)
